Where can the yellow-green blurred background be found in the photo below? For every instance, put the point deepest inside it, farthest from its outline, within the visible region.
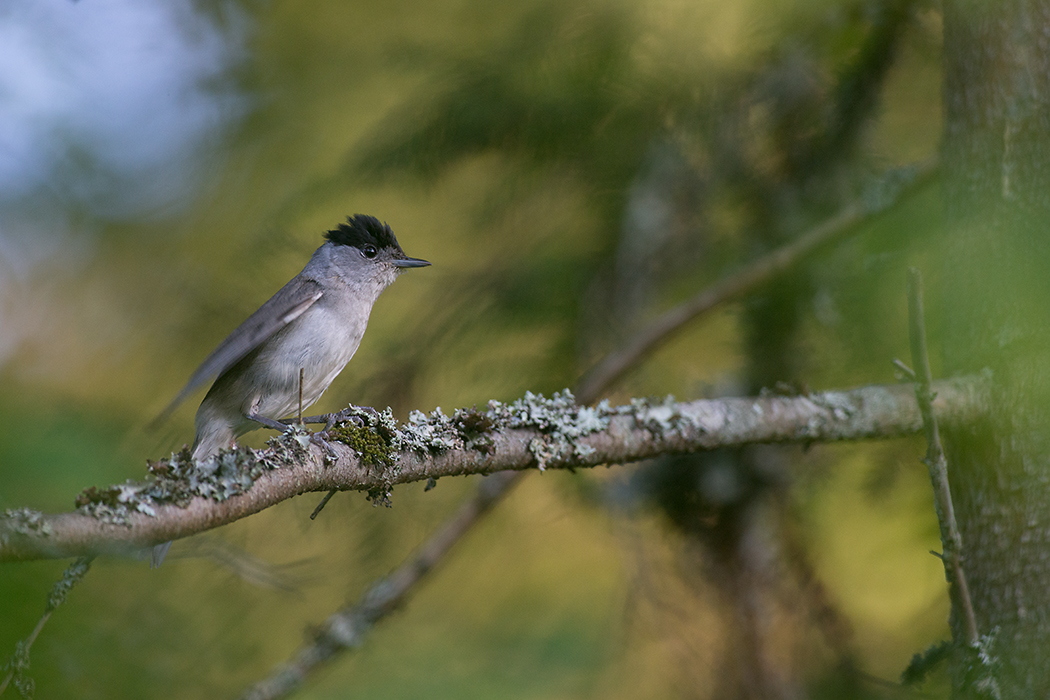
(571, 169)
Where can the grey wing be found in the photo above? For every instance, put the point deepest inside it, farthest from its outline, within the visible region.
(281, 309)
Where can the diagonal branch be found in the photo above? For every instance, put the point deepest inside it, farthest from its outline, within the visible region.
(886, 193)
(184, 498)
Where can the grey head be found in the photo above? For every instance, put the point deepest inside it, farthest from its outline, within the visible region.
(362, 252)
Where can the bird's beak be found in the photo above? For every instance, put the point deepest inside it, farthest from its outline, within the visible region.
(409, 262)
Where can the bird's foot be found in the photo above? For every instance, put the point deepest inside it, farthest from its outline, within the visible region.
(320, 438)
(356, 415)
(351, 414)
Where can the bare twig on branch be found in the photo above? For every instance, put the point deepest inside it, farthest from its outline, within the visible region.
(19, 663)
(951, 540)
(531, 433)
(766, 268)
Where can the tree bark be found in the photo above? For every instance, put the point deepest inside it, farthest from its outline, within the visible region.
(996, 156)
(184, 498)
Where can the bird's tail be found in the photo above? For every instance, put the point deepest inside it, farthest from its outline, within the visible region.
(208, 442)
(157, 556)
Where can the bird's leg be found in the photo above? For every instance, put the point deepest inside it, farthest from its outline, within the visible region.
(320, 437)
(315, 438)
(330, 419)
(307, 420)
(268, 422)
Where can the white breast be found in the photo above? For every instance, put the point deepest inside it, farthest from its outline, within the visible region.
(321, 342)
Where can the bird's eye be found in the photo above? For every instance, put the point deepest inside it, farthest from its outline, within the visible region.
(369, 251)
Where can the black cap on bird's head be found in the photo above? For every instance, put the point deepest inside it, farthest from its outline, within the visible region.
(363, 232)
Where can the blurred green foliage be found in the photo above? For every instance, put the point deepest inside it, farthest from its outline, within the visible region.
(570, 168)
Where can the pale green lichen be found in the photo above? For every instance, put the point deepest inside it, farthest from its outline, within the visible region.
(660, 417)
(376, 437)
(434, 433)
(560, 421)
(179, 479)
(23, 521)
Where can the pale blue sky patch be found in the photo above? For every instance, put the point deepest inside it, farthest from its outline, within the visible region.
(110, 110)
(106, 103)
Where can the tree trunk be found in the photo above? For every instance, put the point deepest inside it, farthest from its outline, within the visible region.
(997, 315)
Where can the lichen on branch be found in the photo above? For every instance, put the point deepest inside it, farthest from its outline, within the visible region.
(374, 453)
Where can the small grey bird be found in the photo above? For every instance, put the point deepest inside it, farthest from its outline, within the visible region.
(314, 323)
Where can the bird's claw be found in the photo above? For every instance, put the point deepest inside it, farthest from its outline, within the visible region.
(331, 419)
(348, 415)
(320, 438)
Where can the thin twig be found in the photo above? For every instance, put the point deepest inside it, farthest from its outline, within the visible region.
(19, 661)
(759, 272)
(951, 540)
(323, 503)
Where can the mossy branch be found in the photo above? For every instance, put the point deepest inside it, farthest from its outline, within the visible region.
(182, 498)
